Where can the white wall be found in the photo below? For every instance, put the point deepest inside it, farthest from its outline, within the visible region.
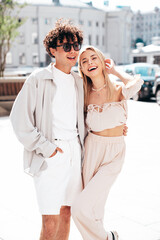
(118, 33)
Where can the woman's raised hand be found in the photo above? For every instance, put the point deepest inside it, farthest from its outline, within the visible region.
(109, 66)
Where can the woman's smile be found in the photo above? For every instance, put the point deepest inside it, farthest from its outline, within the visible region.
(92, 68)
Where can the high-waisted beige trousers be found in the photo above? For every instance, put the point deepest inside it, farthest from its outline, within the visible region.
(104, 157)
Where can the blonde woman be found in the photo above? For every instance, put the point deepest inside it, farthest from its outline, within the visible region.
(105, 116)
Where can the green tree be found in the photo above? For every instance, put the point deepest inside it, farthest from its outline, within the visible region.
(9, 24)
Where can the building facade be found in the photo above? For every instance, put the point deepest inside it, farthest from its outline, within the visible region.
(149, 54)
(118, 34)
(28, 49)
(108, 30)
(145, 26)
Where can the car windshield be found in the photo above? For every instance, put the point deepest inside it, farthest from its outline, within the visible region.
(145, 71)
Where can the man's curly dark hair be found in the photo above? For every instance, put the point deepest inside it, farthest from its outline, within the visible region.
(64, 28)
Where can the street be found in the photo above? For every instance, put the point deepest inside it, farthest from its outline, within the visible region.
(133, 206)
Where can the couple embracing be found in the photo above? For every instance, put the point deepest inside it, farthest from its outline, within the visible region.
(72, 128)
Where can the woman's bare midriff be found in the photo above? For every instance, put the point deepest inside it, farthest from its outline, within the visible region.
(113, 132)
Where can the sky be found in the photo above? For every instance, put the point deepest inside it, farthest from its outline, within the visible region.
(136, 5)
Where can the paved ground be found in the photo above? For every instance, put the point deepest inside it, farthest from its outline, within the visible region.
(133, 206)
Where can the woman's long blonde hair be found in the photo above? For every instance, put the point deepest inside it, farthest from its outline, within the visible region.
(87, 83)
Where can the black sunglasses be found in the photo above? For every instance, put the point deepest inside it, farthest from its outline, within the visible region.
(67, 46)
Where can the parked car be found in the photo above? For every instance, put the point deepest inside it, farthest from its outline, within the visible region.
(147, 72)
(156, 88)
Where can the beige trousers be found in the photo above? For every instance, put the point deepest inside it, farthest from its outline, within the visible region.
(104, 157)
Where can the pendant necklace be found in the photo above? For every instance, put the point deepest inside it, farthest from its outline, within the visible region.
(99, 89)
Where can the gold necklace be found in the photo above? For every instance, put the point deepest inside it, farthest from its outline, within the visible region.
(99, 89)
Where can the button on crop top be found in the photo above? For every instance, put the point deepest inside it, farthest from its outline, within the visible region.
(112, 114)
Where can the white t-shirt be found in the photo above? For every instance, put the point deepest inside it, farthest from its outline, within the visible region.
(64, 106)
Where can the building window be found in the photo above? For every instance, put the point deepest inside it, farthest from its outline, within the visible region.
(97, 24)
(34, 38)
(97, 40)
(34, 20)
(22, 59)
(81, 22)
(9, 58)
(139, 59)
(103, 25)
(47, 21)
(89, 23)
(138, 27)
(19, 20)
(157, 60)
(90, 39)
(48, 60)
(103, 40)
(150, 27)
(35, 59)
(21, 38)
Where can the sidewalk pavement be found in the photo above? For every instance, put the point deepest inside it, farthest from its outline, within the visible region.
(133, 206)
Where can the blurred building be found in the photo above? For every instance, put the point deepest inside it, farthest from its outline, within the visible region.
(149, 53)
(118, 34)
(105, 29)
(145, 26)
(28, 48)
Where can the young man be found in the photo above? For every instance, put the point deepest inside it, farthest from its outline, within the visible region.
(47, 117)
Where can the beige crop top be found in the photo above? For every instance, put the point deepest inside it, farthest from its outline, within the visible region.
(112, 114)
